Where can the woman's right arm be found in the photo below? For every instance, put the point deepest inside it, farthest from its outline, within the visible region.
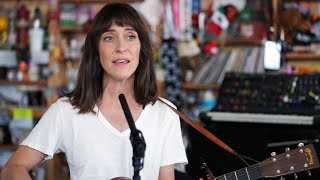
(20, 163)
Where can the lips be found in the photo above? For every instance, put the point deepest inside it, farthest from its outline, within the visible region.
(121, 61)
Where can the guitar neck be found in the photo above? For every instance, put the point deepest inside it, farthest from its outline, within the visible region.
(249, 173)
(297, 160)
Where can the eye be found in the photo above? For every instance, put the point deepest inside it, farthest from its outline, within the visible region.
(108, 38)
(131, 37)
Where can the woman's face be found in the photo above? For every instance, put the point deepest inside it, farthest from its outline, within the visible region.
(119, 50)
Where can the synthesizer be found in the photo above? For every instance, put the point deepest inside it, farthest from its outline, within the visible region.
(268, 98)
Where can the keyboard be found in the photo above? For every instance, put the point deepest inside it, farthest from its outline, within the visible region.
(268, 98)
(262, 118)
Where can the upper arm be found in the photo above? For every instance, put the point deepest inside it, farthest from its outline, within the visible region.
(25, 157)
(166, 172)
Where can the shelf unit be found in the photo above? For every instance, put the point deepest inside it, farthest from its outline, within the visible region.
(99, 1)
(292, 56)
(15, 82)
(71, 29)
(240, 42)
(8, 147)
(192, 86)
(38, 111)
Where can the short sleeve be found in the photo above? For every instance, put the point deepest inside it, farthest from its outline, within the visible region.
(46, 135)
(173, 148)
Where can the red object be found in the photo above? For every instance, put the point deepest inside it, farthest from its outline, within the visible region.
(22, 26)
(53, 14)
(22, 66)
(210, 47)
(214, 28)
(231, 12)
(210, 10)
(194, 18)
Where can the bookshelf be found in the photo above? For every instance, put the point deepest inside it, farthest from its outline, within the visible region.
(240, 42)
(306, 56)
(53, 81)
(8, 147)
(192, 86)
(37, 112)
(99, 1)
(15, 82)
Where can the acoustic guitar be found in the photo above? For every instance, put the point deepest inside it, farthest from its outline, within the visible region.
(300, 159)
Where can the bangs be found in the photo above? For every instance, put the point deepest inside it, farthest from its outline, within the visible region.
(120, 17)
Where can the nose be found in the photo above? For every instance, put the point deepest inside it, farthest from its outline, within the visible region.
(121, 47)
(120, 50)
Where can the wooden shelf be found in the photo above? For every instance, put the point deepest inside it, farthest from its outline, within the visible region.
(303, 1)
(76, 29)
(14, 82)
(240, 42)
(36, 1)
(192, 86)
(8, 147)
(37, 111)
(302, 56)
(99, 1)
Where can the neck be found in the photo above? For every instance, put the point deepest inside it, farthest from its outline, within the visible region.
(249, 173)
(112, 88)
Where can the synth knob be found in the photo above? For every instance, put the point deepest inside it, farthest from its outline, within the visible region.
(273, 154)
(300, 145)
(287, 149)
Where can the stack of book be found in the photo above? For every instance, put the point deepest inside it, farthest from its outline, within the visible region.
(242, 59)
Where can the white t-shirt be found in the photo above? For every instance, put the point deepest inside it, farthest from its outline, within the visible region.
(96, 150)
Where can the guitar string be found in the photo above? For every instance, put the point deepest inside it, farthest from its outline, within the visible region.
(258, 166)
(253, 167)
(240, 174)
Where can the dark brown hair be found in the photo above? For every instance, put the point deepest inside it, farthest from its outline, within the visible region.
(89, 88)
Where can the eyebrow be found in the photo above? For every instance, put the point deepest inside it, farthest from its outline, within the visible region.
(126, 29)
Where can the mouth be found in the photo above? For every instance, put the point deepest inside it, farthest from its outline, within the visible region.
(121, 61)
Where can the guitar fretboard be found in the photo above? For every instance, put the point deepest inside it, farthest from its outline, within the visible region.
(249, 173)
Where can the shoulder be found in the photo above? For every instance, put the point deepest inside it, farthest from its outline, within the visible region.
(62, 104)
(162, 102)
(163, 107)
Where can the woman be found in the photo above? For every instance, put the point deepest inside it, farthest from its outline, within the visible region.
(89, 125)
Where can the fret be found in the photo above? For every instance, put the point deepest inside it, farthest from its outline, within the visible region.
(254, 172)
(235, 174)
(268, 168)
(248, 173)
(231, 176)
(242, 174)
(219, 178)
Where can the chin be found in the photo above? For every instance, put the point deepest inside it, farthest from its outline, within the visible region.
(125, 77)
